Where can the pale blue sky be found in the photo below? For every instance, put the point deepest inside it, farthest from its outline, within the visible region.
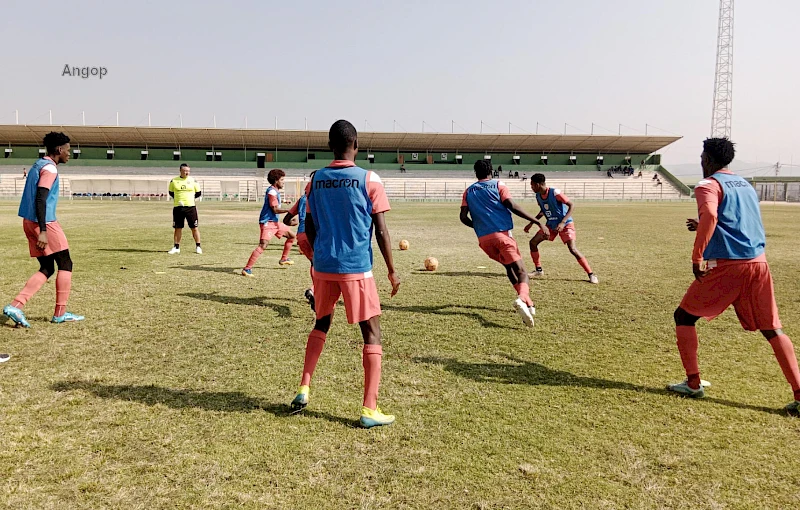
(576, 61)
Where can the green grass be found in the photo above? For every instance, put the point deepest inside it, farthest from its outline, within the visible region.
(174, 392)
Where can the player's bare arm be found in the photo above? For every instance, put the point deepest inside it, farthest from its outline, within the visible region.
(464, 216)
(385, 245)
(563, 222)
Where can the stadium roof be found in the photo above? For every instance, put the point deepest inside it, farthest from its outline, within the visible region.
(283, 139)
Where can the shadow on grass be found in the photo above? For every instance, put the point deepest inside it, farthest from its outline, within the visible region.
(131, 250)
(443, 310)
(525, 372)
(459, 273)
(281, 310)
(223, 401)
(225, 270)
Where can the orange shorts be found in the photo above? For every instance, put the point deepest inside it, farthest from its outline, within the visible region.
(746, 286)
(56, 240)
(567, 233)
(361, 301)
(500, 247)
(273, 228)
(305, 247)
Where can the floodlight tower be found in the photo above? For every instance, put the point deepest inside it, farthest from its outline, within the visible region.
(723, 78)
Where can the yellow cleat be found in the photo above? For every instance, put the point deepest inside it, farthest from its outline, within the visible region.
(286, 262)
(375, 418)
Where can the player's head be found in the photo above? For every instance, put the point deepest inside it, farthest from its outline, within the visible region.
(717, 154)
(57, 146)
(483, 169)
(275, 177)
(538, 183)
(185, 170)
(343, 138)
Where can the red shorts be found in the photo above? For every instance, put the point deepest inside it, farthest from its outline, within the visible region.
(305, 247)
(361, 301)
(56, 240)
(746, 286)
(273, 228)
(567, 233)
(500, 247)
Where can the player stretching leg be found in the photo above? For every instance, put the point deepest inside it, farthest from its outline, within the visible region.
(345, 202)
(486, 207)
(46, 239)
(557, 208)
(730, 238)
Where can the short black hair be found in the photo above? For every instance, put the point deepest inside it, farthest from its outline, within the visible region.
(275, 175)
(538, 178)
(184, 165)
(53, 139)
(341, 136)
(483, 168)
(720, 151)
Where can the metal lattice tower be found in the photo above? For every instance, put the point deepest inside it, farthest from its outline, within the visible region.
(723, 79)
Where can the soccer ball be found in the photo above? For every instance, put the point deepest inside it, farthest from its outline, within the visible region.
(431, 264)
(403, 245)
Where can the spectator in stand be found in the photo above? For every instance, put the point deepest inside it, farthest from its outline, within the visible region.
(655, 176)
(524, 177)
(510, 174)
(640, 174)
(608, 173)
(402, 168)
(516, 174)
(497, 172)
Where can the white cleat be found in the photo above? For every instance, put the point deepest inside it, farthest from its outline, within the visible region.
(198, 250)
(174, 250)
(593, 278)
(524, 312)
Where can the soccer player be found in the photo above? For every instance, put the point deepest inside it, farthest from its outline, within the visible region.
(269, 223)
(557, 209)
(297, 215)
(184, 190)
(486, 207)
(345, 202)
(730, 239)
(46, 239)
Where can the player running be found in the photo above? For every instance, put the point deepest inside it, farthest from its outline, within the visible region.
(486, 207)
(46, 239)
(270, 224)
(297, 215)
(184, 190)
(344, 203)
(557, 208)
(730, 238)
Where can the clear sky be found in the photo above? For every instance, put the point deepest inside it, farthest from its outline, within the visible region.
(632, 62)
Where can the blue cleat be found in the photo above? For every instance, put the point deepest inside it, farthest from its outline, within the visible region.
(67, 317)
(16, 315)
(374, 418)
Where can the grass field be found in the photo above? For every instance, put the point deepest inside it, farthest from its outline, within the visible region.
(174, 392)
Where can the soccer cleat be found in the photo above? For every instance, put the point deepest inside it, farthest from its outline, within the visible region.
(174, 250)
(538, 272)
(286, 262)
(300, 400)
(532, 309)
(16, 315)
(793, 409)
(198, 250)
(375, 418)
(247, 272)
(683, 388)
(593, 278)
(4, 357)
(67, 317)
(524, 312)
(309, 295)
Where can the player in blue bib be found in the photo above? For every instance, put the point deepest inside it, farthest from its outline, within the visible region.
(557, 209)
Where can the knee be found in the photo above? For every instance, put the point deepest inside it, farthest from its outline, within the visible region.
(47, 269)
(684, 318)
(63, 260)
(769, 334)
(323, 324)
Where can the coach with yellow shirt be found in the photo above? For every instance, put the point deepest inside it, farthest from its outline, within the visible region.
(184, 190)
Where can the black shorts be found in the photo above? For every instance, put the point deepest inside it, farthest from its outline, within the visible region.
(179, 214)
